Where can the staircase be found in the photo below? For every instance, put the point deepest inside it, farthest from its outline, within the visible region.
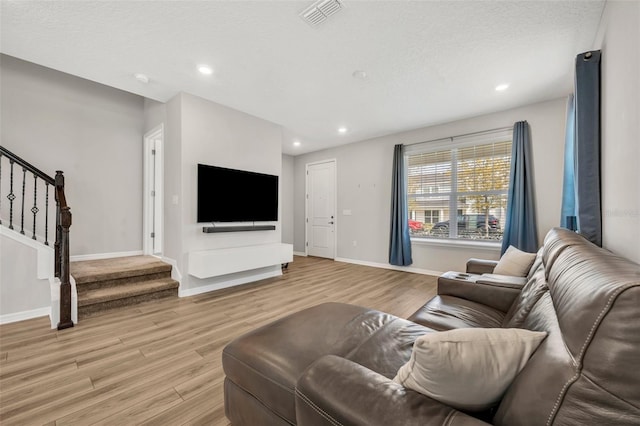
(106, 284)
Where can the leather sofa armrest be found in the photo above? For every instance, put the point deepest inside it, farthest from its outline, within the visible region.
(502, 281)
(480, 266)
(336, 391)
(477, 289)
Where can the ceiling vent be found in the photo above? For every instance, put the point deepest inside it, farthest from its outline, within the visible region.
(318, 12)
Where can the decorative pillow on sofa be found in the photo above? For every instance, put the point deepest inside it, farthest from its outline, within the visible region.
(515, 262)
(468, 368)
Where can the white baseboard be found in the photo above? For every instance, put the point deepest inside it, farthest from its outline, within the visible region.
(224, 284)
(98, 256)
(388, 266)
(175, 271)
(300, 253)
(25, 315)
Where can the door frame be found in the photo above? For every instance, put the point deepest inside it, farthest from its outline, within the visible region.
(153, 175)
(335, 204)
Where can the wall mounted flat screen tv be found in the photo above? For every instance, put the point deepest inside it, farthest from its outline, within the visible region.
(229, 195)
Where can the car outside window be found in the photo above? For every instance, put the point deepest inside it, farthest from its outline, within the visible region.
(467, 178)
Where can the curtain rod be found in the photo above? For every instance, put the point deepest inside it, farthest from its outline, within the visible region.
(497, 129)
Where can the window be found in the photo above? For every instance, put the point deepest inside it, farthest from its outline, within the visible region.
(468, 176)
(431, 216)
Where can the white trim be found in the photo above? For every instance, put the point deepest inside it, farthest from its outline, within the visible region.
(25, 315)
(17, 236)
(45, 254)
(175, 271)
(468, 244)
(335, 204)
(153, 173)
(224, 284)
(300, 253)
(410, 269)
(99, 256)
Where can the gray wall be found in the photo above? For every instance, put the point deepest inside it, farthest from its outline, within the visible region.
(364, 186)
(619, 39)
(286, 203)
(94, 134)
(199, 131)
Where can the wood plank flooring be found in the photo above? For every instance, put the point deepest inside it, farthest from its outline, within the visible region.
(160, 363)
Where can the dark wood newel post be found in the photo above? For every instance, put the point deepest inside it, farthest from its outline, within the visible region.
(62, 252)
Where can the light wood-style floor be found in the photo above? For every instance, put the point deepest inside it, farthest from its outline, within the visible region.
(160, 363)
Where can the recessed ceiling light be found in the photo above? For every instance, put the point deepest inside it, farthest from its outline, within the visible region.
(296, 143)
(142, 78)
(205, 69)
(502, 87)
(359, 74)
(342, 130)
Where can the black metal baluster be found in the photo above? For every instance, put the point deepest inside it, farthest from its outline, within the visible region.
(24, 181)
(46, 215)
(34, 209)
(11, 195)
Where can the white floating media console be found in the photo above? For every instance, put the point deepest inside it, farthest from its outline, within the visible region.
(214, 263)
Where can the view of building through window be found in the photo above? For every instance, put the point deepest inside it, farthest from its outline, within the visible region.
(471, 181)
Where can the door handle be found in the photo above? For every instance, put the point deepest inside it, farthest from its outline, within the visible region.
(331, 223)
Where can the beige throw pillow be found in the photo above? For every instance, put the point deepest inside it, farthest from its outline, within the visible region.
(468, 368)
(515, 262)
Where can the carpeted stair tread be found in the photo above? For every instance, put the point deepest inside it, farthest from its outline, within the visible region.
(89, 271)
(131, 290)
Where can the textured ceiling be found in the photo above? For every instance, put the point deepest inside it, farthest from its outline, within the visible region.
(427, 62)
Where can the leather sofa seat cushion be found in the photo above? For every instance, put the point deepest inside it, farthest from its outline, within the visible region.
(389, 348)
(449, 312)
(267, 362)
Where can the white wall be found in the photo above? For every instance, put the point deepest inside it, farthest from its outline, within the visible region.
(619, 40)
(286, 203)
(93, 133)
(364, 185)
(172, 246)
(213, 134)
(21, 291)
(155, 114)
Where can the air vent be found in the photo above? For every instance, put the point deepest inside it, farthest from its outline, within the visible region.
(318, 12)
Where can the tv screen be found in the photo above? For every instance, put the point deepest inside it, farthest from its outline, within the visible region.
(229, 195)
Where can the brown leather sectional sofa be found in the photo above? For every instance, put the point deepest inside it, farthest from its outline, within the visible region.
(333, 364)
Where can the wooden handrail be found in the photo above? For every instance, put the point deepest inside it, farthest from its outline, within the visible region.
(63, 223)
(13, 157)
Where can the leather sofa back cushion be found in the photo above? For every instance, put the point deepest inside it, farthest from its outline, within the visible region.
(587, 369)
(468, 368)
(528, 297)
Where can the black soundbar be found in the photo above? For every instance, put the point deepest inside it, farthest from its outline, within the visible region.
(213, 229)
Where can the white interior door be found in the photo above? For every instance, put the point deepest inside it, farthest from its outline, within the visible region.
(153, 191)
(321, 209)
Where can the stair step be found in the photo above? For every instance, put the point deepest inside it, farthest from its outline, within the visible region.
(117, 271)
(126, 291)
(106, 284)
(85, 287)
